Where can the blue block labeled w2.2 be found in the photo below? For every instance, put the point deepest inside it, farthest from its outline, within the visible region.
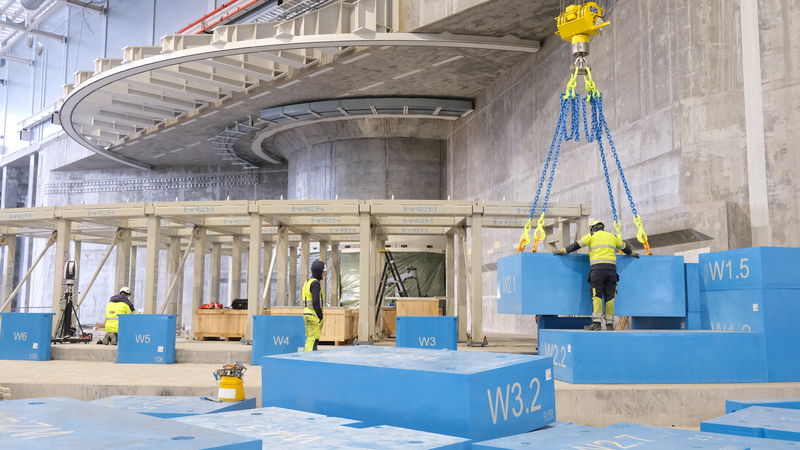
(35, 424)
(146, 338)
(170, 407)
(639, 357)
(273, 335)
(427, 332)
(758, 421)
(545, 284)
(751, 268)
(25, 336)
(474, 395)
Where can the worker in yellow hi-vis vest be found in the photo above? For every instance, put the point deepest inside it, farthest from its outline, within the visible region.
(603, 275)
(312, 303)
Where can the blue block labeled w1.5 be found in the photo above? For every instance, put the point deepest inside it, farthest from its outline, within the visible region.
(751, 268)
(758, 421)
(273, 335)
(474, 395)
(170, 407)
(146, 338)
(25, 336)
(427, 332)
(37, 424)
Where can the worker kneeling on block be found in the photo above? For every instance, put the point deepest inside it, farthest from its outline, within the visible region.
(119, 304)
(603, 276)
(312, 302)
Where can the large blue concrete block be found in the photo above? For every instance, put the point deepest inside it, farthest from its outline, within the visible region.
(625, 435)
(475, 395)
(25, 336)
(737, 405)
(560, 323)
(169, 407)
(47, 423)
(637, 357)
(693, 298)
(541, 283)
(273, 335)
(146, 338)
(751, 268)
(758, 421)
(284, 428)
(436, 332)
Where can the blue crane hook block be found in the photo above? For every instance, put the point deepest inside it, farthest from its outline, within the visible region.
(641, 357)
(168, 407)
(546, 284)
(66, 423)
(750, 268)
(434, 332)
(736, 405)
(25, 336)
(475, 395)
(146, 338)
(758, 421)
(273, 335)
(286, 428)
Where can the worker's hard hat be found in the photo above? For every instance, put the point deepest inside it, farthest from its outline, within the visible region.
(125, 290)
(596, 225)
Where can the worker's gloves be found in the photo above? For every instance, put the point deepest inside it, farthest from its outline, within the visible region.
(635, 255)
(560, 252)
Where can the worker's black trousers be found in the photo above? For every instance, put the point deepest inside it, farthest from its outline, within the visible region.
(604, 283)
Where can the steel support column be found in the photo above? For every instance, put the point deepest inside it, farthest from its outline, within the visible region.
(63, 228)
(122, 271)
(333, 295)
(461, 284)
(364, 275)
(253, 273)
(151, 265)
(235, 275)
(450, 273)
(305, 257)
(8, 276)
(282, 264)
(292, 291)
(216, 271)
(199, 268)
(477, 279)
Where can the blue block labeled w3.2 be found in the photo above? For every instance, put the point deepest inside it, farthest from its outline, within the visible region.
(427, 332)
(750, 268)
(758, 421)
(66, 423)
(146, 338)
(474, 395)
(25, 336)
(545, 284)
(273, 335)
(170, 407)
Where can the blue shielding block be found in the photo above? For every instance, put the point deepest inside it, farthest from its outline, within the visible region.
(273, 335)
(170, 407)
(545, 284)
(750, 268)
(758, 421)
(146, 338)
(693, 298)
(736, 405)
(35, 424)
(639, 357)
(454, 393)
(436, 332)
(25, 336)
(285, 428)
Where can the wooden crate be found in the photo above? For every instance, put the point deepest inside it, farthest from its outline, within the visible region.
(340, 325)
(418, 306)
(389, 318)
(219, 323)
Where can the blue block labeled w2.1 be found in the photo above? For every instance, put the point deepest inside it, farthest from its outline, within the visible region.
(170, 407)
(545, 284)
(427, 332)
(758, 421)
(286, 428)
(474, 395)
(737, 405)
(25, 336)
(638, 357)
(273, 335)
(67, 423)
(751, 268)
(146, 338)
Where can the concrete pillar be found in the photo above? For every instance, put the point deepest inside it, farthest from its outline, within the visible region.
(61, 257)
(199, 267)
(151, 265)
(292, 293)
(216, 269)
(253, 273)
(8, 276)
(305, 258)
(173, 262)
(76, 256)
(235, 275)
(132, 277)
(376, 269)
(461, 284)
(450, 273)
(122, 272)
(323, 256)
(282, 266)
(333, 295)
(477, 278)
(364, 275)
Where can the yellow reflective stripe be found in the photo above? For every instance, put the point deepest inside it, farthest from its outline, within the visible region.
(581, 243)
(604, 261)
(602, 246)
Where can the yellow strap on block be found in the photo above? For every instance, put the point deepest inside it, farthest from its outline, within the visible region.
(525, 238)
(591, 87)
(569, 92)
(641, 236)
(538, 234)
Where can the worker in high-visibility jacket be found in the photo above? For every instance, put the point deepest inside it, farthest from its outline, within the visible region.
(119, 304)
(312, 305)
(603, 275)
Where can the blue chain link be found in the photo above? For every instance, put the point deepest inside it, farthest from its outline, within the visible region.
(598, 136)
(604, 125)
(574, 133)
(555, 143)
